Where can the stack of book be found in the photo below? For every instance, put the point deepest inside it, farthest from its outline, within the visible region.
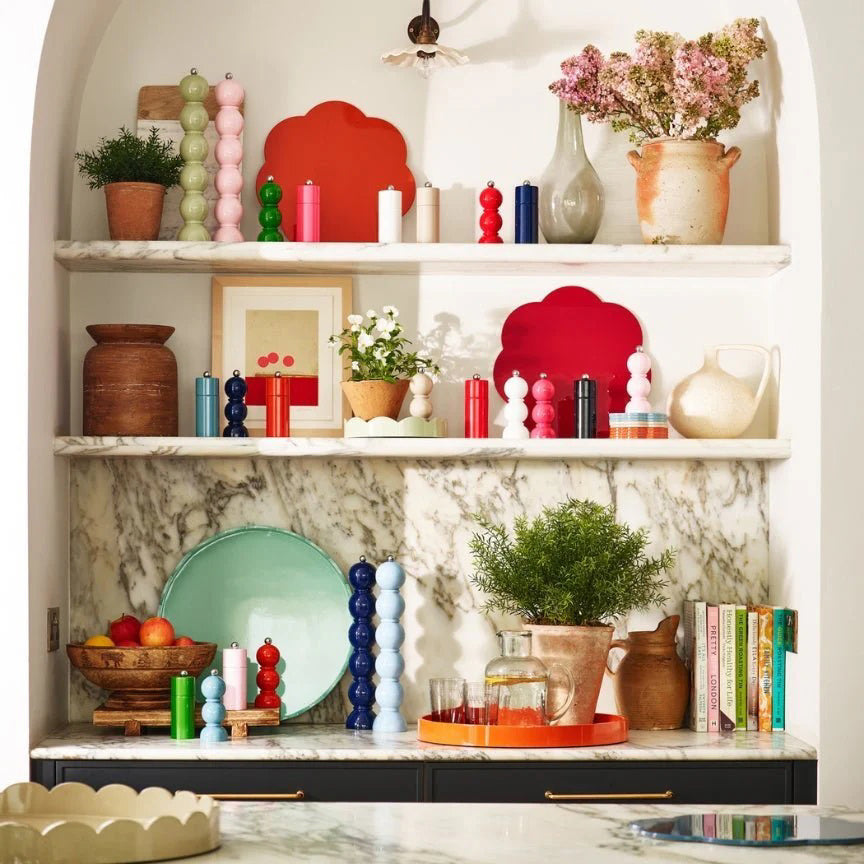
(728, 826)
(737, 661)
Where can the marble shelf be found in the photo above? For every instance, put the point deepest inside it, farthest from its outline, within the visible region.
(433, 449)
(334, 743)
(413, 258)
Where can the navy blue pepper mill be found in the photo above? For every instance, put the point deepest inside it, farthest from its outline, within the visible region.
(526, 213)
(361, 635)
(235, 410)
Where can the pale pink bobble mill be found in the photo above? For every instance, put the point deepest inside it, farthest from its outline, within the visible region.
(638, 387)
(543, 412)
(229, 155)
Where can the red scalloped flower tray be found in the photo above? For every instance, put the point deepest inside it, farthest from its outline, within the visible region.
(606, 729)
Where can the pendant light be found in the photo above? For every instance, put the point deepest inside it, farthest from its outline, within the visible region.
(424, 54)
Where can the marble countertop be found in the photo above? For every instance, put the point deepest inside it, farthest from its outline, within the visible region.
(334, 743)
(484, 834)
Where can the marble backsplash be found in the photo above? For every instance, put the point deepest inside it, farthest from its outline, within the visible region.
(133, 519)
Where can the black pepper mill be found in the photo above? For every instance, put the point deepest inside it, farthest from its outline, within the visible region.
(585, 408)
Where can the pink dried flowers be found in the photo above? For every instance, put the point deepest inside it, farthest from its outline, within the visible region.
(670, 87)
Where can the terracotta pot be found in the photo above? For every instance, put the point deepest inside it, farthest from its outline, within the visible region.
(134, 210)
(682, 190)
(130, 381)
(651, 682)
(582, 651)
(370, 399)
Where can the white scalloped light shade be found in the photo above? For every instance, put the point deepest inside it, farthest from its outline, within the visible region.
(410, 56)
(114, 824)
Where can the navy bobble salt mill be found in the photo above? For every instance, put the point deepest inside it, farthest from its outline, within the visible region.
(361, 635)
(235, 409)
(526, 213)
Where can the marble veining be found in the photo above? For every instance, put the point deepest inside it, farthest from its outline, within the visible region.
(266, 833)
(335, 743)
(132, 520)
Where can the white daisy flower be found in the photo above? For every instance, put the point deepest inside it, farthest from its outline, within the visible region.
(364, 341)
(355, 328)
(392, 311)
(355, 365)
(385, 325)
(355, 319)
(371, 313)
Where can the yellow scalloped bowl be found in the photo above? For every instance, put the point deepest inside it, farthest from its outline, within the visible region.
(115, 824)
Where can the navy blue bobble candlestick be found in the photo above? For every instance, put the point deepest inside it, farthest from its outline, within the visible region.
(235, 410)
(361, 635)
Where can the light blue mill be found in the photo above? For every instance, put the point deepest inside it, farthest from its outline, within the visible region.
(213, 711)
(390, 636)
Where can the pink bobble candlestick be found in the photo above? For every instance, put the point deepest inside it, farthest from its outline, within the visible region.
(229, 155)
(638, 387)
(543, 412)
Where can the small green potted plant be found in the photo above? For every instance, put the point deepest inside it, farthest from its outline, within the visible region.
(135, 173)
(567, 574)
(381, 365)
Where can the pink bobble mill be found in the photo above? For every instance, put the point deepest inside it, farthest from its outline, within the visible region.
(543, 412)
(229, 155)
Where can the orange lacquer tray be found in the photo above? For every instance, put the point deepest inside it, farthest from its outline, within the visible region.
(606, 729)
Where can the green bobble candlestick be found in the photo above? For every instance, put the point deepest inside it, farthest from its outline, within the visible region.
(194, 149)
(270, 218)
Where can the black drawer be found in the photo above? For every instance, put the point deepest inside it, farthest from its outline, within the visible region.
(689, 782)
(319, 781)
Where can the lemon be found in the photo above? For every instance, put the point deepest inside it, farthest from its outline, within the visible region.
(100, 642)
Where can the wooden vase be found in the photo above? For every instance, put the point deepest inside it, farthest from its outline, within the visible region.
(651, 682)
(134, 210)
(130, 381)
(370, 399)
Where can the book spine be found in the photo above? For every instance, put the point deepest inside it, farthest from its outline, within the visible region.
(701, 665)
(727, 667)
(778, 695)
(688, 655)
(709, 820)
(740, 667)
(792, 631)
(712, 617)
(766, 662)
(752, 670)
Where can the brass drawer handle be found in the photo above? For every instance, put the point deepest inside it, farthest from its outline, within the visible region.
(620, 796)
(299, 795)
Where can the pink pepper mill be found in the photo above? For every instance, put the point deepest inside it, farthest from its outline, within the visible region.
(234, 676)
(308, 228)
(543, 412)
(229, 155)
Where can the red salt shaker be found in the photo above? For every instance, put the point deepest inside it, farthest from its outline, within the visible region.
(476, 407)
(277, 403)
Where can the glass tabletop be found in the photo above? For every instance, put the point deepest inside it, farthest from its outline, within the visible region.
(743, 829)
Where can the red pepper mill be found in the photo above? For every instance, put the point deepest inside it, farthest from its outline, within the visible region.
(277, 403)
(268, 678)
(543, 412)
(490, 219)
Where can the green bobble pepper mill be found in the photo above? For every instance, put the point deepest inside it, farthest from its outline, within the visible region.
(182, 706)
(270, 217)
(194, 148)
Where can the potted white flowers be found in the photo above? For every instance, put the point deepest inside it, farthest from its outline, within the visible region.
(381, 367)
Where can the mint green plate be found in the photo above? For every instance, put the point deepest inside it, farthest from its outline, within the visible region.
(248, 583)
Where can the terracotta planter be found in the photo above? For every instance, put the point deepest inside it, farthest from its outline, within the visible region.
(651, 682)
(130, 381)
(134, 210)
(682, 190)
(583, 651)
(370, 399)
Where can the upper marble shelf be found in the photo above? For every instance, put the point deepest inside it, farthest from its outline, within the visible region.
(427, 258)
(436, 449)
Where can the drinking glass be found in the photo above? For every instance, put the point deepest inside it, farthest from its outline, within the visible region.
(479, 700)
(447, 700)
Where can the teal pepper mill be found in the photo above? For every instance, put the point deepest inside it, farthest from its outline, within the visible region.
(194, 148)
(213, 711)
(270, 217)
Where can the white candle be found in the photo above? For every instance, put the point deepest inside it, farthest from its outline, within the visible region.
(390, 215)
(428, 200)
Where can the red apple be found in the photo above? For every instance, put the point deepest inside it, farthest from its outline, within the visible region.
(183, 641)
(128, 643)
(124, 629)
(156, 632)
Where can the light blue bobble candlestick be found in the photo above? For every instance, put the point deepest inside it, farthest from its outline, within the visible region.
(213, 711)
(390, 635)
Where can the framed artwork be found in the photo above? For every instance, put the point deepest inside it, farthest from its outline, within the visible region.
(263, 325)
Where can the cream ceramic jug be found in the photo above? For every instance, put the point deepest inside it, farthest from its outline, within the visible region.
(712, 403)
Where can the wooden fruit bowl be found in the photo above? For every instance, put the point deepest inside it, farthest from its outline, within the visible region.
(139, 678)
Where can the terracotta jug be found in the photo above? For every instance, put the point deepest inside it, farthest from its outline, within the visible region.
(651, 681)
(711, 403)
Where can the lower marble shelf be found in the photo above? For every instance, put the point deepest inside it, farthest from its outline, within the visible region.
(441, 449)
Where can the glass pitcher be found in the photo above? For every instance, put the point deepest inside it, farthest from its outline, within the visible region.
(517, 684)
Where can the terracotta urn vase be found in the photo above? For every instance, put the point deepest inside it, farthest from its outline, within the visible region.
(370, 399)
(130, 381)
(583, 652)
(651, 681)
(134, 210)
(682, 190)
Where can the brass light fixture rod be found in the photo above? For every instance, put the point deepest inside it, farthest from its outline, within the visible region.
(424, 29)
